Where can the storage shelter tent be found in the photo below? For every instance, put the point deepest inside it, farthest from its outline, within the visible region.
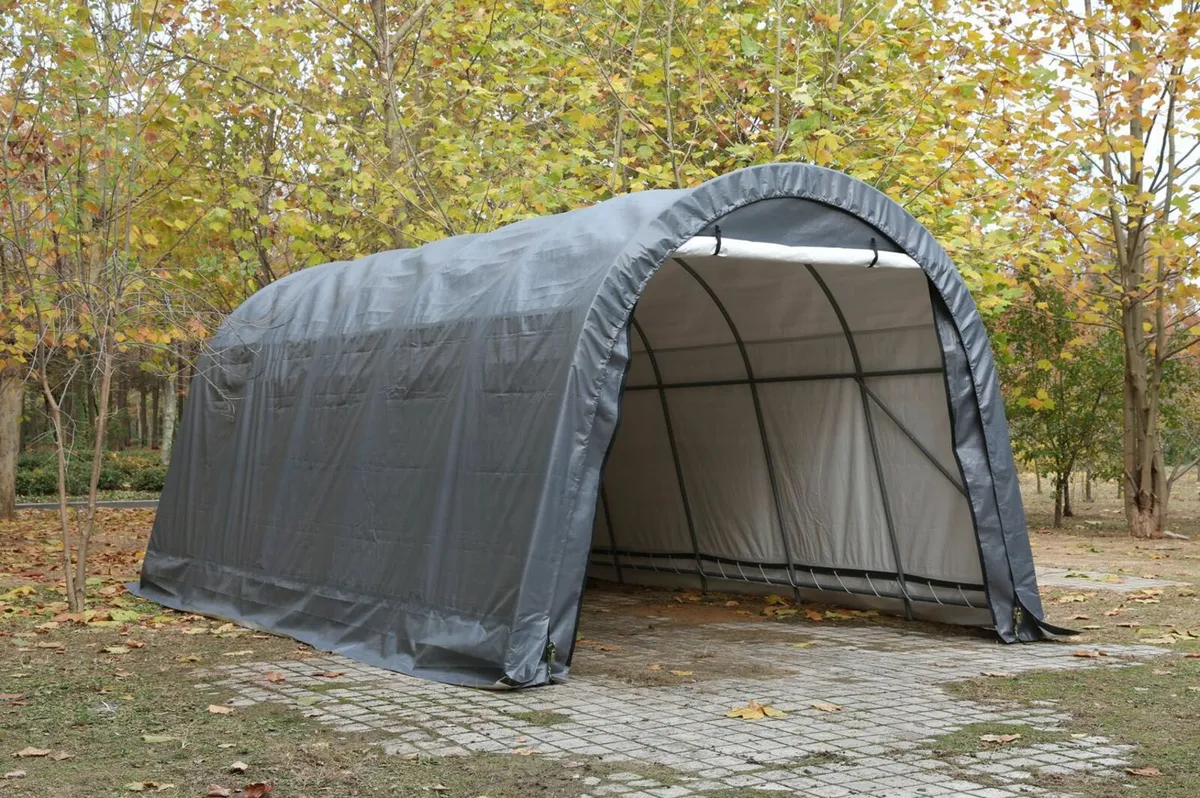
(403, 458)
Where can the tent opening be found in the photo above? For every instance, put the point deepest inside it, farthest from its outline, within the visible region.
(784, 426)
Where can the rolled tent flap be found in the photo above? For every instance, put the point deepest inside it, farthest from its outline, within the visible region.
(413, 459)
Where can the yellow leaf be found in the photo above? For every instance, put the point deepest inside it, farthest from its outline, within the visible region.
(220, 710)
(682, 673)
(825, 706)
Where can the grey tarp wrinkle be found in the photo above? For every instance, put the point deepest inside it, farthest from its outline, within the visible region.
(400, 458)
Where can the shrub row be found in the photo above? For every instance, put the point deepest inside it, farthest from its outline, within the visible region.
(37, 472)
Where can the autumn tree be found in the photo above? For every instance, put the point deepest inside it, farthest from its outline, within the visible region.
(1101, 124)
(1062, 386)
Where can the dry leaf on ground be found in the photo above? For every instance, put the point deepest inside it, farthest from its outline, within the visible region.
(330, 674)
(999, 738)
(654, 667)
(1143, 771)
(15, 774)
(148, 786)
(1083, 652)
(257, 790)
(755, 711)
(801, 645)
(31, 751)
(158, 738)
(217, 791)
(272, 676)
(524, 751)
(683, 673)
(997, 675)
(62, 756)
(825, 706)
(219, 710)
(238, 767)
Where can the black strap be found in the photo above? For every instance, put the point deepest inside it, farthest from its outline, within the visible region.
(717, 228)
(874, 249)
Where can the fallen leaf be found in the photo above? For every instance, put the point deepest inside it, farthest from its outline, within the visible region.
(257, 790)
(813, 615)
(1129, 625)
(133, 643)
(437, 788)
(1080, 618)
(1114, 611)
(62, 756)
(999, 738)
(755, 711)
(1083, 652)
(238, 767)
(237, 653)
(116, 650)
(49, 644)
(997, 675)
(683, 673)
(733, 603)
(1143, 771)
(801, 645)
(524, 751)
(219, 710)
(1192, 655)
(335, 674)
(11, 696)
(148, 786)
(825, 706)
(217, 791)
(776, 599)
(272, 676)
(189, 658)
(31, 751)
(158, 738)
(1072, 598)
(15, 774)
(654, 667)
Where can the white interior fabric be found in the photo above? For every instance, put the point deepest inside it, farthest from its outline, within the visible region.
(826, 512)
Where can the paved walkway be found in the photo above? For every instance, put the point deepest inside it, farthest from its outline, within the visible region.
(1091, 580)
(887, 681)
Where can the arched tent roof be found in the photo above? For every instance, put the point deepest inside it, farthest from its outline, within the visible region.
(400, 458)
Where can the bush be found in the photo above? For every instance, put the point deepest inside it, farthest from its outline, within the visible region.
(37, 472)
(150, 478)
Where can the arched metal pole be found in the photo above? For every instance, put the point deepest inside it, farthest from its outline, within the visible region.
(758, 414)
(612, 536)
(866, 405)
(662, 396)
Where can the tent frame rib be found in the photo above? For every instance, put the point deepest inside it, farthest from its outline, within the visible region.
(908, 434)
(687, 507)
(758, 414)
(866, 405)
(612, 538)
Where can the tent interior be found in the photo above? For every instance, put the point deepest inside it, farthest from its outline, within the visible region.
(785, 423)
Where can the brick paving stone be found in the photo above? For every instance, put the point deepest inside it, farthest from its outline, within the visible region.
(889, 682)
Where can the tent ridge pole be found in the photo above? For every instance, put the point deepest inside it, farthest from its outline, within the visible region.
(866, 405)
(908, 433)
(915, 372)
(687, 508)
(758, 413)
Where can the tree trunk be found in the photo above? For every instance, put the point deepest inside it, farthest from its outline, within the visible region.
(143, 420)
(1059, 485)
(155, 418)
(1038, 474)
(89, 516)
(168, 418)
(1087, 486)
(11, 395)
(1066, 490)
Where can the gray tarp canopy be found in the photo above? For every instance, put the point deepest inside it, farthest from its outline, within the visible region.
(413, 459)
